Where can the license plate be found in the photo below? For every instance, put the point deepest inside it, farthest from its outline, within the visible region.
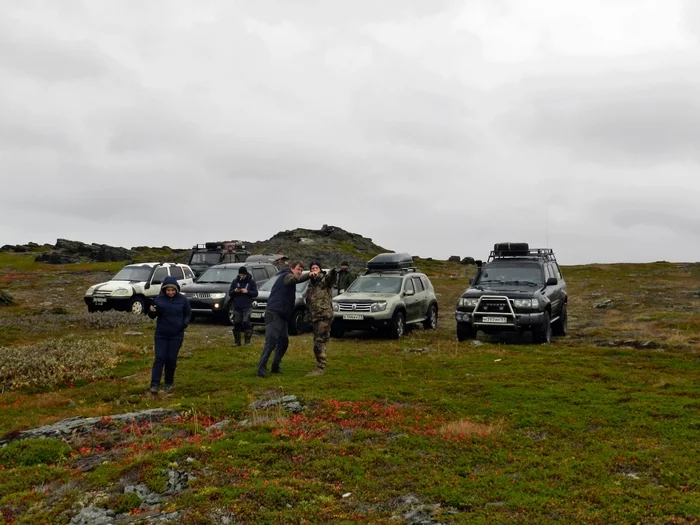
(353, 317)
(257, 315)
(495, 319)
(99, 300)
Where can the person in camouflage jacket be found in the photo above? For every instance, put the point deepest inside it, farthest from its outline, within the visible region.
(320, 308)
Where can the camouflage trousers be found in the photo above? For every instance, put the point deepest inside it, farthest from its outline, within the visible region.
(322, 334)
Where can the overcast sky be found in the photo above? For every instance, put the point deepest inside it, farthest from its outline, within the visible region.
(435, 127)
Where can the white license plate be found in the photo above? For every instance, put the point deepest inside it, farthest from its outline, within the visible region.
(353, 317)
(99, 300)
(495, 319)
(257, 315)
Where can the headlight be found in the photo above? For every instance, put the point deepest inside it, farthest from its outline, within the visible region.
(255, 304)
(90, 290)
(379, 307)
(467, 302)
(525, 303)
(335, 307)
(218, 295)
(121, 292)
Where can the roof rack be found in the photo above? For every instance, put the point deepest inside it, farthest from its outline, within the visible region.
(506, 250)
(390, 262)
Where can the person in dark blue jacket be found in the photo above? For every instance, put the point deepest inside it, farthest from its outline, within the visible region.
(242, 292)
(280, 307)
(172, 309)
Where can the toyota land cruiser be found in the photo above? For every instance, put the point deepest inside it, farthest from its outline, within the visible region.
(518, 289)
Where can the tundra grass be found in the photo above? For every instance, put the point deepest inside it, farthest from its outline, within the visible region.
(601, 426)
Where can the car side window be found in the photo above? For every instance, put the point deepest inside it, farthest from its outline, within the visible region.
(271, 271)
(426, 283)
(177, 272)
(408, 285)
(189, 274)
(160, 274)
(557, 270)
(418, 284)
(259, 274)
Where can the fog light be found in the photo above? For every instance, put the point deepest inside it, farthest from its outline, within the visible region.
(216, 305)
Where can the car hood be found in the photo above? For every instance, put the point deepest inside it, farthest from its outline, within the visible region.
(207, 287)
(355, 297)
(110, 286)
(510, 291)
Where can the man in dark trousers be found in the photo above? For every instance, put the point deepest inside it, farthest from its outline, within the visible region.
(280, 307)
(344, 278)
(242, 292)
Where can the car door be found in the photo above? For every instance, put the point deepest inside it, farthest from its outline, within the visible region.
(157, 279)
(260, 275)
(410, 300)
(554, 291)
(422, 296)
(179, 274)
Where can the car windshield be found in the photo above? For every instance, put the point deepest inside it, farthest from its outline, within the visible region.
(529, 274)
(133, 273)
(267, 286)
(375, 284)
(218, 275)
(206, 258)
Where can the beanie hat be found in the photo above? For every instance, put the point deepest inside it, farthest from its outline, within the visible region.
(315, 263)
(344, 263)
(243, 270)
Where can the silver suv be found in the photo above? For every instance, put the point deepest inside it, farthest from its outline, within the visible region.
(390, 296)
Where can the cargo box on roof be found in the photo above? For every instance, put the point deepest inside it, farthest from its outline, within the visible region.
(511, 248)
(390, 261)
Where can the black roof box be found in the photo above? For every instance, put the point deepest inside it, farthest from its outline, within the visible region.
(390, 261)
(511, 248)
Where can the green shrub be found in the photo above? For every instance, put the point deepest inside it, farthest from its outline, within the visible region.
(29, 452)
(55, 362)
(122, 503)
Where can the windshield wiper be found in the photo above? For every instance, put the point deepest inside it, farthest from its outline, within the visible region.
(522, 282)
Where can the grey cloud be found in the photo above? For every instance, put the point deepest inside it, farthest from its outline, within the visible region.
(623, 118)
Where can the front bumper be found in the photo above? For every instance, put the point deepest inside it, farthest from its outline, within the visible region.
(257, 316)
(487, 322)
(108, 303)
(364, 321)
(208, 306)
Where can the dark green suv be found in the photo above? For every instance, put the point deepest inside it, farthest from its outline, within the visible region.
(518, 289)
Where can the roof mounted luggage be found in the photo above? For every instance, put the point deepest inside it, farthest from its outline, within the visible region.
(390, 262)
(520, 249)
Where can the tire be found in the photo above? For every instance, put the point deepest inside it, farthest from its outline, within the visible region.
(561, 325)
(465, 332)
(337, 330)
(398, 325)
(229, 313)
(543, 334)
(297, 323)
(92, 308)
(431, 320)
(138, 305)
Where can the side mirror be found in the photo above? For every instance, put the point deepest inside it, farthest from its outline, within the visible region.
(409, 292)
(552, 281)
(147, 286)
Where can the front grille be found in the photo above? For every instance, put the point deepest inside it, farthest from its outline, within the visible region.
(354, 307)
(494, 306)
(259, 304)
(101, 293)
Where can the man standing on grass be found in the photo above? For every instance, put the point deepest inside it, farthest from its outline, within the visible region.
(345, 278)
(242, 292)
(320, 306)
(280, 307)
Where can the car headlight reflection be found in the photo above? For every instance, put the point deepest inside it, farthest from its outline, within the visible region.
(379, 306)
(121, 292)
(336, 307)
(218, 295)
(467, 302)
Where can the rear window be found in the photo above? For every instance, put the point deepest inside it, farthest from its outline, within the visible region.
(176, 272)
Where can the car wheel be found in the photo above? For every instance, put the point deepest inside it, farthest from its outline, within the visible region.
(465, 332)
(230, 315)
(543, 334)
(431, 321)
(398, 325)
(296, 323)
(92, 308)
(138, 306)
(337, 330)
(561, 325)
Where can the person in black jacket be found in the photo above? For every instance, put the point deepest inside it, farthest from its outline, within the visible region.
(280, 307)
(242, 292)
(172, 309)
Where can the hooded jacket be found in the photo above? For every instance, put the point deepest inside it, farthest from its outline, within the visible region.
(173, 313)
(319, 295)
(243, 301)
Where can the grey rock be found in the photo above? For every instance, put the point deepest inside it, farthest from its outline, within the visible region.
(218, 426)
(420, 350)
(177, 481)
(476, 342)
(132, 332)
(148, 498)
(92, 516)
(288, 403)
(608, 303)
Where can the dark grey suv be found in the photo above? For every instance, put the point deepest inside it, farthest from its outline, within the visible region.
(209, 293)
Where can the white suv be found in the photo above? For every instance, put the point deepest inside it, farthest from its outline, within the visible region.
(134, 286)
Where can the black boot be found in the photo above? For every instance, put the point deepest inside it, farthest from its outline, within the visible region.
(237, 337)
(248, 337)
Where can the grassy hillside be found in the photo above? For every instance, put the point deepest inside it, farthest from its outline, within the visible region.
(602, 426)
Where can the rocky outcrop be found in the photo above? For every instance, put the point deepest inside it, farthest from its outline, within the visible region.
(66, 252)
(6, 299)
(330, 245)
